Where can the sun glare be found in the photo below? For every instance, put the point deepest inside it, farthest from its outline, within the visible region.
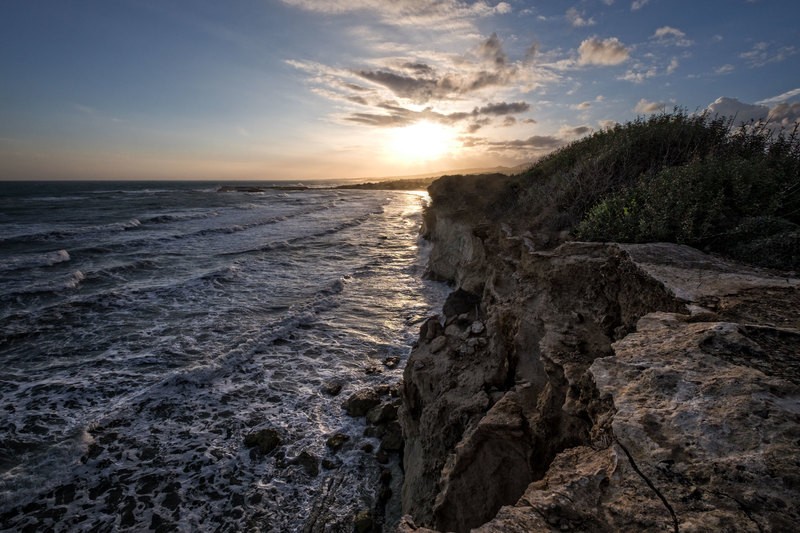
(423, 141)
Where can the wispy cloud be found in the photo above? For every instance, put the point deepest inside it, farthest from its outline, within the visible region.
(636, 5)
(668, 35)
(724, 69)
(788, 95)
(578, 18)
(441, 14)
(763, 53)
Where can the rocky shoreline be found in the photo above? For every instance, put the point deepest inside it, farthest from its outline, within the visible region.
(575, 386)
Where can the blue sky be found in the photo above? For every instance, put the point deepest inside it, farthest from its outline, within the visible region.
(305, 89)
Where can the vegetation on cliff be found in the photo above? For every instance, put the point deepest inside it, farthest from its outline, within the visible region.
(673, 177)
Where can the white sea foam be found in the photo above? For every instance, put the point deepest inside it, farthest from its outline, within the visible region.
(164, 353)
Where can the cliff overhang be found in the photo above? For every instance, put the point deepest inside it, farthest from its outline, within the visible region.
(599, 386)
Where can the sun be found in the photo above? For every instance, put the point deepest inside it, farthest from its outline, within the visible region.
(423, 141)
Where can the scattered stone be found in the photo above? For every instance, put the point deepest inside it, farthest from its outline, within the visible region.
(430, 329)
(477, 327)
(309, 462)
(391, 361)
(368, 447)
(375, 432)
(360, 402)
(382, 413)
(332, 387)
(382, 457)
(393, 439)
(264, 440)
(372, 369)
(336, 441)
(363, 522)
(331, 464)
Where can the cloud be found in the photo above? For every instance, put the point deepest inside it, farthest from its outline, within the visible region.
(582, 106)
(639, 73)
(392, 115)
(503, 108)
(594, 51)
(731, 107)
(509, 121)
(763, 53)
(671, 36)
(724, 69)
(785, 114)
(673, 65)
(576, 18)
(636, 5)
(780, 98)
(534, 143)
(782, 114)
(645, 107)
(439, 14)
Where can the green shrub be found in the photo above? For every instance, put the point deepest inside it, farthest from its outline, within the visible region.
(671, 177)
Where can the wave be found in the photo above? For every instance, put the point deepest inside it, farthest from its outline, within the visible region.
(34, 260)
(177, 217)
(63, 233)
(281, 244)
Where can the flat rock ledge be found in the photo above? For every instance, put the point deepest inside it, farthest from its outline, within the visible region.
(603, 387)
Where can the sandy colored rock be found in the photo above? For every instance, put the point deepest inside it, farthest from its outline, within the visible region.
(617, 388)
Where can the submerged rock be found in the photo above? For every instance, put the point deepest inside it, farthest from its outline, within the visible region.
(336, 441)
(264, 441)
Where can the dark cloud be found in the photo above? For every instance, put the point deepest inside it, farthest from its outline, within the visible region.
(509, 121)
(394, 115)
(533, 143)
(417, 89)
(503, 108)
(419, 68)
(492, 51)
(478, 124)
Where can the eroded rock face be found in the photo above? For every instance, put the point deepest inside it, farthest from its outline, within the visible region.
(602, 387)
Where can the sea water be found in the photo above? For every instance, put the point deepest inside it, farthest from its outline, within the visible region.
(146, 328)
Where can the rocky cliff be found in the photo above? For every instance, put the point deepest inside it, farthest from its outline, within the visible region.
(597, 387)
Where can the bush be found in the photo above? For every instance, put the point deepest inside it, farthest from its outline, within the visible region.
(671, 177)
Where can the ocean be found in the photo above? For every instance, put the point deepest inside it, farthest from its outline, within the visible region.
(146, 328)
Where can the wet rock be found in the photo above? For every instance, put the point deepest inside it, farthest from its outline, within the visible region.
(391, 361)
(392, 441)
(330, 464)
(336, 441)
(363, 522)
(360, 402)
(309, 462)
(332, 387)
(264, 441)
(367, 447)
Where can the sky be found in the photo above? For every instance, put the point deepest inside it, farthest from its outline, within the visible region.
(316, 89)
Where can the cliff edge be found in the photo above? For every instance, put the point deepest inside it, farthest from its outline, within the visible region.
(597, 386)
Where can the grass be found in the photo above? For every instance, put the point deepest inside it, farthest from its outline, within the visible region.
(673, 177)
